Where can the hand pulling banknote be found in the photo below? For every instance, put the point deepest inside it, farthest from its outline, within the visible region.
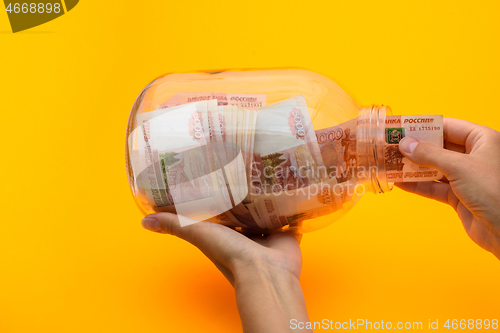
(426, 127)
(259, 167)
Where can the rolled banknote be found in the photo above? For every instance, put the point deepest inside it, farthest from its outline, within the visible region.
(213, 149)
(286, 143)
(233, 164)
(175, 142)
(291, 207)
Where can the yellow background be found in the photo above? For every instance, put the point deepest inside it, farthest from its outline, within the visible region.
(73, 257)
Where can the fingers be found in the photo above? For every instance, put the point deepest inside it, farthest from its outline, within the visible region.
(215, 240)
(464, 133)
(455, 147)
(433, 190)
(165, 223)
(219, 243)
(428, 155)
(457, 130)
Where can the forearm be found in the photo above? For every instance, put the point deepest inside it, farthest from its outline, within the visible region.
(268, 298)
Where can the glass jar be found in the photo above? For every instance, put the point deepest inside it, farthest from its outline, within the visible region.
(350, 138)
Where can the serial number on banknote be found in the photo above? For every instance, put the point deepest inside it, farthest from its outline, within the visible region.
(424, 128)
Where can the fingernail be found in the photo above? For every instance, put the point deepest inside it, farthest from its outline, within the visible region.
(151, 224)
(408, 145)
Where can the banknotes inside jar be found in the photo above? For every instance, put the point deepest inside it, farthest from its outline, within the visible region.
(264, 150)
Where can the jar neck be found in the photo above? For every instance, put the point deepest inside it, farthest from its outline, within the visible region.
(370, 146)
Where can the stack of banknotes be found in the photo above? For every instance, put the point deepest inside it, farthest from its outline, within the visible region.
(261, 167)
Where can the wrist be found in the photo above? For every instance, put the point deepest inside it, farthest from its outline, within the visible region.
(260, 271)
(272, 294)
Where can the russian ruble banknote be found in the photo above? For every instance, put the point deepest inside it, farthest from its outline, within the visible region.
(285, 144)
(178, 168)
(425, 127)
(338, 145)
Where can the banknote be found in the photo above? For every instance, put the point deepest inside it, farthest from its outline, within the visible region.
(256, 186)
(179, 140)
(286, 142)
(338, 146)
(234, 165)
(248, 134)
(338, 149)
(247, 101)
(217, 138)
(234, 214)
(203, 109)
(238, 139)
(243, 214)
(214, 150)
(252, 208)
(269, 212)
(147, 171)
(292, 207)
(225, 125)
(251, 155)
(426, 127)
(150, 177)
(175, 142)
(224, 135)
(228, 219)
(147, 165)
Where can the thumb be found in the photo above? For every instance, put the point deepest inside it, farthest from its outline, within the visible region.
(428, 155)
